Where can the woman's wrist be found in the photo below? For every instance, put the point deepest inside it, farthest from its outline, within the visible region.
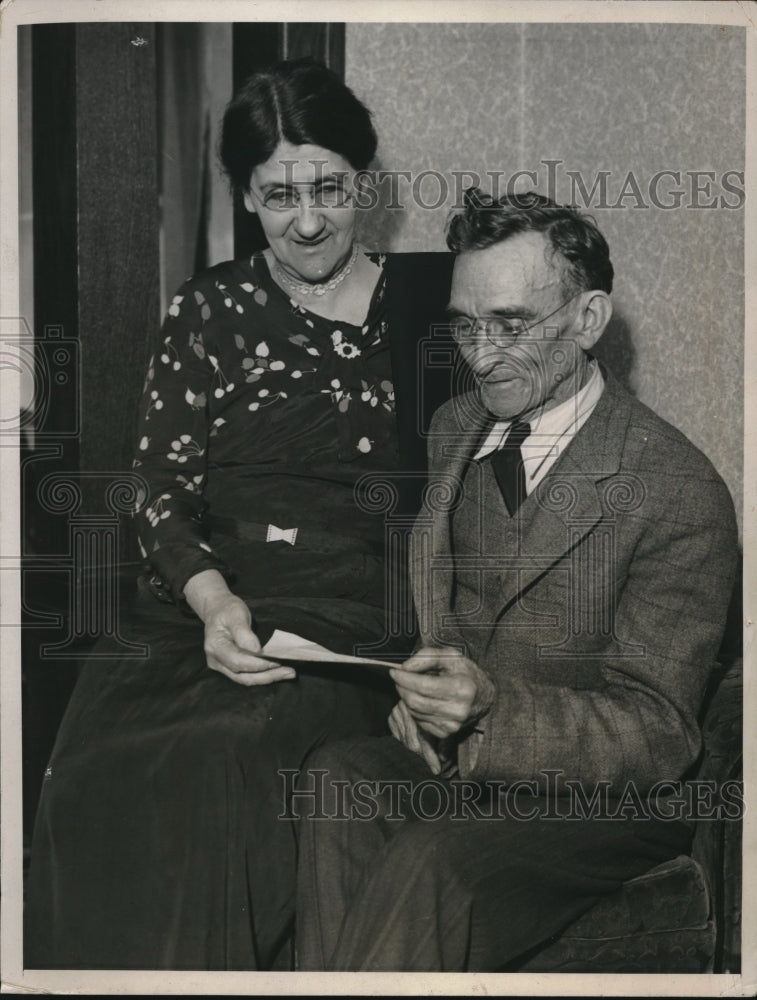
(205, 592)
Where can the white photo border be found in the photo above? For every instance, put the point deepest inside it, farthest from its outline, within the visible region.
(17, 980)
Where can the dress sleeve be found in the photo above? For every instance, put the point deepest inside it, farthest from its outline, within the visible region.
(173, 440)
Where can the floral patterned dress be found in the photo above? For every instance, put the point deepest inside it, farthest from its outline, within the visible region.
(256, 409)
(158, 841)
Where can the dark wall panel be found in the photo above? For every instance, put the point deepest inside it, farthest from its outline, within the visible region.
(119, 263)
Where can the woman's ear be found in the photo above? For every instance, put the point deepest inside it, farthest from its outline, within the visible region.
(597, 310)
(249, 204)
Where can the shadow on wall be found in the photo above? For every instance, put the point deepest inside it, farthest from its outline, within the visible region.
(378, 225)
(616, 349)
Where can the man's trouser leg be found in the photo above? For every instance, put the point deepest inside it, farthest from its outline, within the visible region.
(449, 894)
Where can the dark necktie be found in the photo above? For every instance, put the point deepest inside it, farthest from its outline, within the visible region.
(507, 463)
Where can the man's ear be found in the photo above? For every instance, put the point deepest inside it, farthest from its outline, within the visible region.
(249, 204)
(597, 310)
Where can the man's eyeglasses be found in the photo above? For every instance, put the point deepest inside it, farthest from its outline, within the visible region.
(501, 331)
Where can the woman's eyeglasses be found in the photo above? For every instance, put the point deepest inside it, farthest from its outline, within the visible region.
(287, 197)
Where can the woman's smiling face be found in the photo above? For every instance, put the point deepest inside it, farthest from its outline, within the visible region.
(303, 196)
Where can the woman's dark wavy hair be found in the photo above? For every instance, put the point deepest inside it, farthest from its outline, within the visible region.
(485, 221)
(298, 100)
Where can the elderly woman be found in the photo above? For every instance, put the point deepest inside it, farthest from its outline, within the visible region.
(159, 842)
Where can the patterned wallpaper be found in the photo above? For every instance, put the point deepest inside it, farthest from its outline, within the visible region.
(605, 101)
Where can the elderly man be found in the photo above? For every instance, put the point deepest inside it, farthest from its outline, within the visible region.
(572, 568)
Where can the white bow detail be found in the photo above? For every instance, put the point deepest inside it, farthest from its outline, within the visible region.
(275, 534)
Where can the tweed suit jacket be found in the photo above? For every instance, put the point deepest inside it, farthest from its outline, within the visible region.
(610, 598)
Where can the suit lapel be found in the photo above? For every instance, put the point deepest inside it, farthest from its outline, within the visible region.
(432, 566)
(567, 504)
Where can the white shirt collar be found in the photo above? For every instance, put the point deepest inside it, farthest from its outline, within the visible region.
(551, 430)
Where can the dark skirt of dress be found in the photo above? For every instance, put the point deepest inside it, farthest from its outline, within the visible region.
(159, 842)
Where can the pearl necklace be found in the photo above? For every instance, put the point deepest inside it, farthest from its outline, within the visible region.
(319, 288)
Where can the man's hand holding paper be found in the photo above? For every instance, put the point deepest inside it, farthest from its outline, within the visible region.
(443, 690)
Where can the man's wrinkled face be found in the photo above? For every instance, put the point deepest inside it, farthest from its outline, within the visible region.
(516, 292)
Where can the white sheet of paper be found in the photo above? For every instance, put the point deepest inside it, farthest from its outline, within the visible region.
(288, 646)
